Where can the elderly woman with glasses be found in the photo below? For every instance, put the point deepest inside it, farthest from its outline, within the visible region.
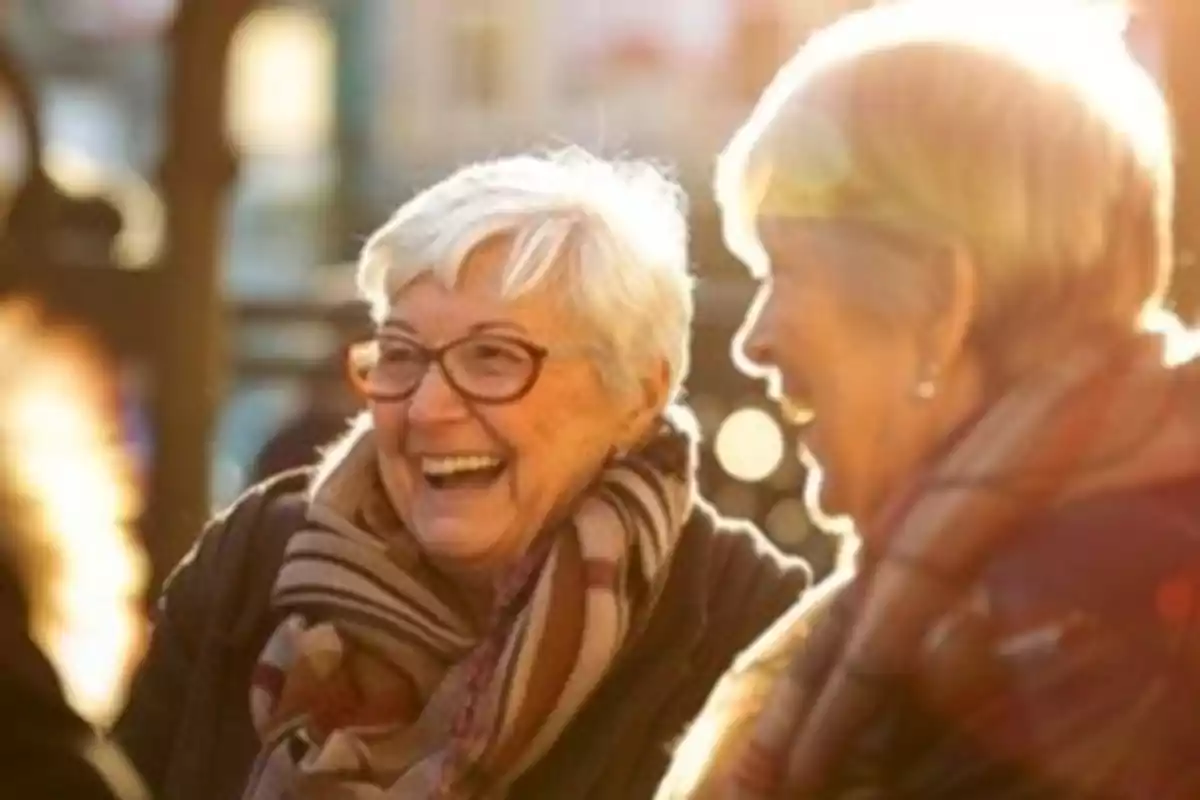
(961, 217)
(501, 582)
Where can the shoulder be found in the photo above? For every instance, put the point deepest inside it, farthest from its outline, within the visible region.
(749, 581)
(282, 488)
(250, 514)
(1115, 554)
(239, 550)
(737, 546)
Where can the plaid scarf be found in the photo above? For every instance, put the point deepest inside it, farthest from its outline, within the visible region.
(380, 683)
(780, 721)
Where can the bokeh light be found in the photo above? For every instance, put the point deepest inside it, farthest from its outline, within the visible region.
(787, 522)
(143, 231)
(749, 445)
(281, 83)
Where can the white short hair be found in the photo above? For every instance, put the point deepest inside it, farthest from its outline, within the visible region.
(612, 234)
(1023, 132)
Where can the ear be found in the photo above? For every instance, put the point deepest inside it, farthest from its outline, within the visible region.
(954, 314)
(647, 404)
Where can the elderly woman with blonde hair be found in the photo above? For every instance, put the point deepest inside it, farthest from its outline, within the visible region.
(961, 217)
(501, 582)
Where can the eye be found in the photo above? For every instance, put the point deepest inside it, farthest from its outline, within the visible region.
(491, 352)
(495, 355)
(400, 354)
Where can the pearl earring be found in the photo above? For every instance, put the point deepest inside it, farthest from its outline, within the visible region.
(925, 389)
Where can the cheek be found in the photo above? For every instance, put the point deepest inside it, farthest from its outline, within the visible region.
(568, 424)
(562, 435)
(867, 407)
(388, 421)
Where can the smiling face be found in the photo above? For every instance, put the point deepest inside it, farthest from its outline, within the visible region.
(846, 368)
(475, 479)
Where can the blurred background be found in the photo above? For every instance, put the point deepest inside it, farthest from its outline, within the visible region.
(192, 179)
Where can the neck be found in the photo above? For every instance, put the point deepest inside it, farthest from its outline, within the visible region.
(961, 396)
(476, 584)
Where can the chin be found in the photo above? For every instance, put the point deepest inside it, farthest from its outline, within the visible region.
(824, 503)
(457, 540)
(452, 541)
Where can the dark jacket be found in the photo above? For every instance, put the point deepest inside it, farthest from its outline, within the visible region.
(46, 749)
(187, 726)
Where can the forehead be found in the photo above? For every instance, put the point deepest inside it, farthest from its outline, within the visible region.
(436, 310)
(814, 247)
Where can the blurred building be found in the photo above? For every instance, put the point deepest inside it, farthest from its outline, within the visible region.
(440, 83)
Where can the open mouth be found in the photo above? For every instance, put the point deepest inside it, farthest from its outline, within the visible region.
(461, 472)
(796, 411)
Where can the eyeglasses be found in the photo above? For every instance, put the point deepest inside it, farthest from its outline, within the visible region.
(483, 368)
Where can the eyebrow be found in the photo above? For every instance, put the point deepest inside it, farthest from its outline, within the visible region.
(484, 327)
(404, 328)
(398, 326)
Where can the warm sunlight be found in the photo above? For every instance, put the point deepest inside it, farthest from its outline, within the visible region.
(60, 442)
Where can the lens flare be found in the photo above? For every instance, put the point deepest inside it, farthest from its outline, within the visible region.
(72, 499)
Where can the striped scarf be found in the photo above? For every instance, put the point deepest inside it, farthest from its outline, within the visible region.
(380, 683)
(779, 723)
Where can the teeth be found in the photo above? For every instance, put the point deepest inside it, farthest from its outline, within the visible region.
(795, 413)
(451, 465)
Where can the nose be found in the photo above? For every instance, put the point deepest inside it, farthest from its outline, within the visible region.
(435, 400)
(751, 346)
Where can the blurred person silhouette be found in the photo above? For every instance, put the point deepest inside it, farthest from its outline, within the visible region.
(501, 582)
(961, 217)
(70, 575)
(329, 405)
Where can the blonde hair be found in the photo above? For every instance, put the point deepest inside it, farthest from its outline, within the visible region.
(1025, 135)
(612, 235)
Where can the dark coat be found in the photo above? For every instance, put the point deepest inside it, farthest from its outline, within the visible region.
(46, 749)
(188, 729)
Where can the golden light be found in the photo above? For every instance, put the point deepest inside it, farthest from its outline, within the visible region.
(787, 523)
(143, 216)
(61, 450)
(749, 445)
(281, 83)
